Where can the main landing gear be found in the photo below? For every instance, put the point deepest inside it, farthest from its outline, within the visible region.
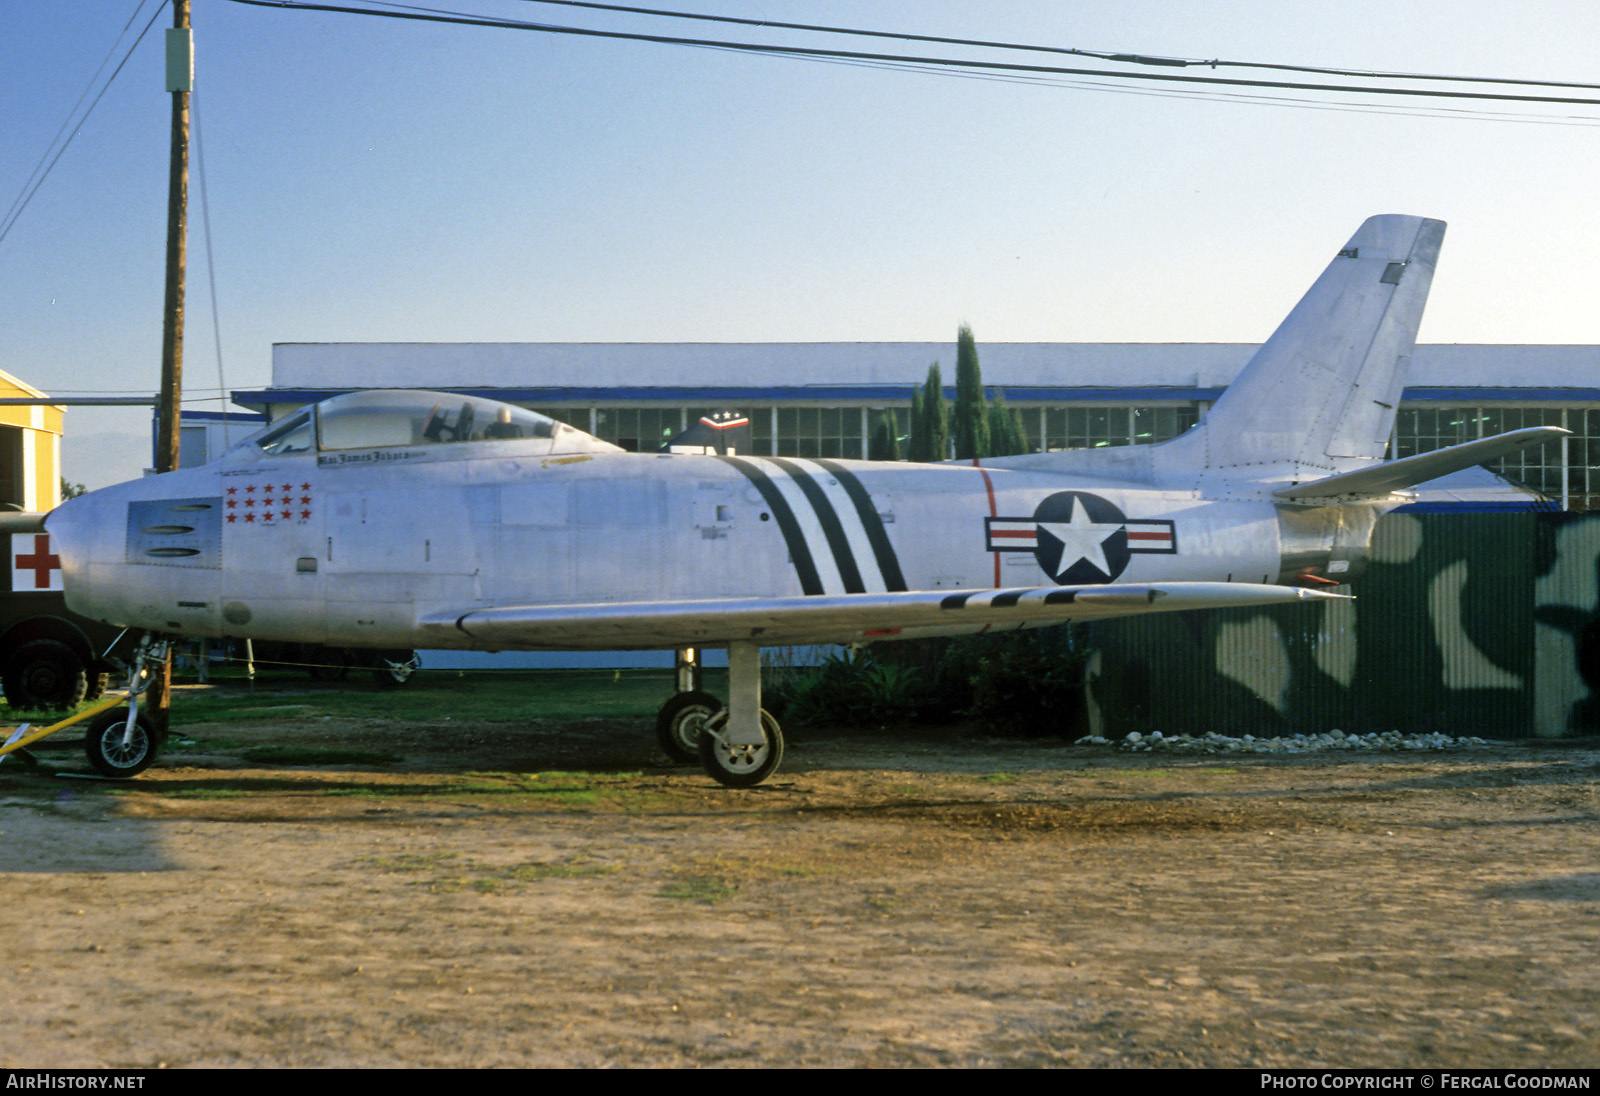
(741, 744)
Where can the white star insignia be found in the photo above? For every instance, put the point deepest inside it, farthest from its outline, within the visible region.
(1081, 540)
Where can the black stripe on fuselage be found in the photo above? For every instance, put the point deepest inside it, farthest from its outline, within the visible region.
(877, 536)
(805, 567)
(838, 543)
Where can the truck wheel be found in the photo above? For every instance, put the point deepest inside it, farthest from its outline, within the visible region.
(45, 673)
(99, 682)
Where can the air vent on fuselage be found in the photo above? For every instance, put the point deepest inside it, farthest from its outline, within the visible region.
(175, 533)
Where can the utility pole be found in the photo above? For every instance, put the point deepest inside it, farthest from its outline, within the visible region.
(180, 80)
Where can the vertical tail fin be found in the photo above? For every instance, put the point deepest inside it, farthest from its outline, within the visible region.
(1319, 397)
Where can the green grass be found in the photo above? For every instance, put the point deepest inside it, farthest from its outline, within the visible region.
(704, 889)
(479, 696)
(482, 695)
(556, 790)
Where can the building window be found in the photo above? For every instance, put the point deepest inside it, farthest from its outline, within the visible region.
(638, 429)
(1565, 471)
(1155, 424)
(820, 432)
(1538, 468)
(1424, 429)
(1096, 426)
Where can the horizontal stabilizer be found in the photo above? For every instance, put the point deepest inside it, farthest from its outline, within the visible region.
(838, 618)
(1395, 475)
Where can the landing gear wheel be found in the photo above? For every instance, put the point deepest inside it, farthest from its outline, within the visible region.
(740, 766)
(45, 673)
(327, 663)
(680, 721)
(395, 668)
(116, 754)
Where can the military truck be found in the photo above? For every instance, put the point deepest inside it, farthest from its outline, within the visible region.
(50, 658)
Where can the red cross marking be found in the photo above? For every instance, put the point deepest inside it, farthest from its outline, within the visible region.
(41, 562)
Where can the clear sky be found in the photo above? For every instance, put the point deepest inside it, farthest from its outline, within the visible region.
(377, 180)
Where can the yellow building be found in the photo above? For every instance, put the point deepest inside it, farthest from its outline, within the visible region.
(30, 448)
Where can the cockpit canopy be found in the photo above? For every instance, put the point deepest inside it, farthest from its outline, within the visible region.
(397, 418)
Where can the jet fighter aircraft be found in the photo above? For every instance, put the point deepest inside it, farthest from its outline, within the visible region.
(401, 519)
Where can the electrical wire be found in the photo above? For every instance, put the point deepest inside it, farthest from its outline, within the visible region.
(37, 178)
(432, 15)
(1104, 55)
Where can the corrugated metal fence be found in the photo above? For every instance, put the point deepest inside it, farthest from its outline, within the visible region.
(1465, 623)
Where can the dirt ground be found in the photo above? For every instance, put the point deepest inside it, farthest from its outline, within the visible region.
(937, 899)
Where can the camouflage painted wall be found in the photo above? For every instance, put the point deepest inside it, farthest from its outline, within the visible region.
(1466, 623)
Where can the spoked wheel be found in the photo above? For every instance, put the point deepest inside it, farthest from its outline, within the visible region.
(740, 766)
(115, 752)
(395, 668)
(680, 722)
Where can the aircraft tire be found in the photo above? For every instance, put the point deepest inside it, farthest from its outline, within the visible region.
(106, 751)
(740, 766)
(45, 673)
(327, 663)
(680, 721)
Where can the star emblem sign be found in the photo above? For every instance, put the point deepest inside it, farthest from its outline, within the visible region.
(1081, 541)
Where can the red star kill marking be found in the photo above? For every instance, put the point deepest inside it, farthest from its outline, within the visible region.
(41, 562)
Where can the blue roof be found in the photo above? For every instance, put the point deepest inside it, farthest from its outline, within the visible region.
(896, 394)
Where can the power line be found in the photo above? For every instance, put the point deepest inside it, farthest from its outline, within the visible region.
(37, 178)
(1104, 55)
(431, 15)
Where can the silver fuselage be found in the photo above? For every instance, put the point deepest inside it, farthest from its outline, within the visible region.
(355, 548)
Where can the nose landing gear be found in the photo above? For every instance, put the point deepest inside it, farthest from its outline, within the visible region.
(121, 742)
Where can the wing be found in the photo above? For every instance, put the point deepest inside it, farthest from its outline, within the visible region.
(842, 618)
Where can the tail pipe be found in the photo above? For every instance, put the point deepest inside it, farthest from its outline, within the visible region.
(1324, 546)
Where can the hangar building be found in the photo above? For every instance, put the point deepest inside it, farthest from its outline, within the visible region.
(825, 399)
(30, 447)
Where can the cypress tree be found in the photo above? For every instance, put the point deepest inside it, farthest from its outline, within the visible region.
(1006, 433)
(917, 444)
(886, 437)
(935, 416)
(971, 426)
